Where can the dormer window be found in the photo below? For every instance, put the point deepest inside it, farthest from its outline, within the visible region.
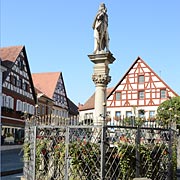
(141, 79)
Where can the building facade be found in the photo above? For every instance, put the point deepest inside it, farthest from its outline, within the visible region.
(26, 96)
(61, 108)
(18, 93)
(137, 94)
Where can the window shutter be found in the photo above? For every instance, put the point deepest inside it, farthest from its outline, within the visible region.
(18, 105)
(3, 100)
(31, 109)
(11, 102)
(8, 101)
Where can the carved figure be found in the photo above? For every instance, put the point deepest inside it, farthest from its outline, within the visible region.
(100, 26)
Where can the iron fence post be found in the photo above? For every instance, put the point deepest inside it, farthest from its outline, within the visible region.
(67, 154)
(34, 153)
(103, 138)
(170, 154)
(137, 152)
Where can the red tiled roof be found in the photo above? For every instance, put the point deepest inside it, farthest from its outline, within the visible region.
(46, 82)
(89, 104)
(10, 53)
(40, 92)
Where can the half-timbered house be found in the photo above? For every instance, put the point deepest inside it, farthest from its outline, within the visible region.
(137, 94)
(18, 94)
(51, 84)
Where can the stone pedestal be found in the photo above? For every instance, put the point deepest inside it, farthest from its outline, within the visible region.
(101, 79)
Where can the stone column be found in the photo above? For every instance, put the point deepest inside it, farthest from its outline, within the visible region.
(101, 79)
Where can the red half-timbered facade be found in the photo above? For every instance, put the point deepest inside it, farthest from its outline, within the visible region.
(138, 93)
(18, 94)
(139, 89)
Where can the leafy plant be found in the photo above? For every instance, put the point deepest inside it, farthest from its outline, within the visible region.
(85, 158)
(150, 160)
(169, 111)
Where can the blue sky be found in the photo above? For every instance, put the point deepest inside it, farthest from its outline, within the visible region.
(58, 36)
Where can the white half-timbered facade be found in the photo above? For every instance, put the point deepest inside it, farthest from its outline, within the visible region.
(138, 93)
(18, 94)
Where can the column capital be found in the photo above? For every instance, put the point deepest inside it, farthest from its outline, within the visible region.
(102, 79)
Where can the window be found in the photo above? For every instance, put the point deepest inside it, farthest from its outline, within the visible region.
(151, 114)
(18, 105)
(128, 113)
(163, 93)
(3, 100)
(141, 113)
(20, 65)
(31, 109)
(13, 80)
(118, 96)
(28, 108)
(24, 107)
(141, 79)
(19, 83)
(141, 95)
(117, 115)
(25, 86)
(7, 101)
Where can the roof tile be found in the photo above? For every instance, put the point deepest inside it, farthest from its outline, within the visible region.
(10, 53)
(46, 82)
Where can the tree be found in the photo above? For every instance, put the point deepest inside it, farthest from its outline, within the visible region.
(169, 111)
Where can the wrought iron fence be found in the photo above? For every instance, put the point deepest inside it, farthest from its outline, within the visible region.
(85, 152)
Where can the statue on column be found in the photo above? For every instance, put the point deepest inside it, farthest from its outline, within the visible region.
(100, 26)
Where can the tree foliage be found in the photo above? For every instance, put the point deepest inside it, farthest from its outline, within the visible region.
(169, 110)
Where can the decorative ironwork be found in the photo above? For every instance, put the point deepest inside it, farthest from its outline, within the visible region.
(88, 152)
